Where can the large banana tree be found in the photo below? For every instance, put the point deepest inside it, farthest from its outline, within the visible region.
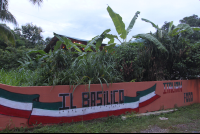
(7, 16)
(161, 64)
(122, 32)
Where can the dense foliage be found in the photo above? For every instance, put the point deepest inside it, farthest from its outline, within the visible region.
(171, 53)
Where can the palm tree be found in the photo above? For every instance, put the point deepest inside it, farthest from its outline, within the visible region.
(6, 16)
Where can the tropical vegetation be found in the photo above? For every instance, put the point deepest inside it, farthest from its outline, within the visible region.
(171, 53)
(6, 16)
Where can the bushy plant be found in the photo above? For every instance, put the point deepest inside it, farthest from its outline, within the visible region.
(50, 67)
(128, 60)
(9, 58)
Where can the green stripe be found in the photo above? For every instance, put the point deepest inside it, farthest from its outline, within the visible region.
(147, 91)
(139, 94)
(17, 97)
(131, 99)
(47, 106)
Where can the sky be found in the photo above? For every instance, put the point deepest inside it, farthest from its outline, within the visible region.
(85, 19)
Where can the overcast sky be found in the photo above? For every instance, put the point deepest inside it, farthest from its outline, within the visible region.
(85, 19)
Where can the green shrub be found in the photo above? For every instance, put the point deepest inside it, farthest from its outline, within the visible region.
(129, 61)
(9, 58)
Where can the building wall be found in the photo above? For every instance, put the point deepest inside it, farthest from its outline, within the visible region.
(25, 106)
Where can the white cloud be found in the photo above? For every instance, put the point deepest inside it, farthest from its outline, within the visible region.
(87, 18)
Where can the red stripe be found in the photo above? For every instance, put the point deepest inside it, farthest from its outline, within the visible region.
(34, 119)
(14, 112)
(147, 102)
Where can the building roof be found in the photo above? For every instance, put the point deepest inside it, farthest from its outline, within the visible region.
(74, 38)
(55, 39)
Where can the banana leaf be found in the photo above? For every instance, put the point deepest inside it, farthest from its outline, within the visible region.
(196, 28)
(154, 25)
(59, 37)
(100, 39)
(69, 44)
(111, 37)
(152, 39)
(182, 28)
(170, 27)
(119, 24)
(90, 44)
(132, 22)
(57, 46)
(37, 51)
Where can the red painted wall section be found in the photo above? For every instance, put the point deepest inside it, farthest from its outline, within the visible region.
(138, 96)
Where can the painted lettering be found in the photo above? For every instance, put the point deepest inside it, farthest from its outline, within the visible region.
(71, 102)
(99, 98)
(171, 87)
(188, 97)
(115, 102)
(85, 98)
(63, 102)
(121, 96)
(95, 98)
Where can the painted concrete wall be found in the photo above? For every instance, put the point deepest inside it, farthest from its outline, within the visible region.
(25, 106)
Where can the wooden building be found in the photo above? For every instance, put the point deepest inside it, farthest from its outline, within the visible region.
(53, 41)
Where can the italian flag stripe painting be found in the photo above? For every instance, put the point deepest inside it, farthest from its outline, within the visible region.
(14, 104)
(49, 112)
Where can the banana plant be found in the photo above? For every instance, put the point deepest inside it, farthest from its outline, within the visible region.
(177, 30)
(99, 39)
(120, 28)
(119, 24)
(182, 28)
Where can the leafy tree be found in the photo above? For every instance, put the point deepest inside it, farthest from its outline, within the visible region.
(47, 40)
(10, 56)
(193, 21)
(32, 33)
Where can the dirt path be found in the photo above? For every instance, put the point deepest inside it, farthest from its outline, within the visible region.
(180, 128)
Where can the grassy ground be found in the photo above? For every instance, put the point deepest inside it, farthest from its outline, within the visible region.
(186, 119)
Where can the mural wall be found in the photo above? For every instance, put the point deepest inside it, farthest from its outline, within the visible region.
(27, 106)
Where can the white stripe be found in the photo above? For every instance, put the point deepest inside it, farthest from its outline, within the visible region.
(83, 111)
(147, 97)
(15, 104)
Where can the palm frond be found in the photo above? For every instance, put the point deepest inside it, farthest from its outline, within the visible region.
(7, 31)
(6, 16)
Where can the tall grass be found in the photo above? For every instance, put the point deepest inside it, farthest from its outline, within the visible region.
(63, 68)
(17, 78)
